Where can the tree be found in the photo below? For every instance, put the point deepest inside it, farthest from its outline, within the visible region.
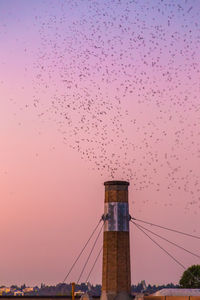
(14, 287)
(23, 286)
(191, 278)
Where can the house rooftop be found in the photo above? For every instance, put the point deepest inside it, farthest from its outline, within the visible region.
(177, 292)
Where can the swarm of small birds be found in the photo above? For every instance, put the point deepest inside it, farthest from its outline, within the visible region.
(121, 80)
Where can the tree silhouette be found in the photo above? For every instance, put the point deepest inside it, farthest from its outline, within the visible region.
(191, 277)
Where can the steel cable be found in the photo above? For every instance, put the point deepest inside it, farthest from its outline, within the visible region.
(170, 229)
(81, 252)
(178, 246)
(94, 264)
(160, 246)
(90, 254)
(180, 264)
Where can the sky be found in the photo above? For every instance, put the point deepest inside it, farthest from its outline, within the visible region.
(92, 91)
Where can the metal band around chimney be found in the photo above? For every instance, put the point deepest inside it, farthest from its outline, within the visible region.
(116, 216)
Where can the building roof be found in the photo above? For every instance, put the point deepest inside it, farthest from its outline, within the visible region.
(177, 292)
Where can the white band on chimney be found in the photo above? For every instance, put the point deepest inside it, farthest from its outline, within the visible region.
(116, 216)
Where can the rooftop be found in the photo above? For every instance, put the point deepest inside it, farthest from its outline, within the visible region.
(177, 292)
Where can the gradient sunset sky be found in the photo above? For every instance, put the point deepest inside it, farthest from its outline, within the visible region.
(90, 91)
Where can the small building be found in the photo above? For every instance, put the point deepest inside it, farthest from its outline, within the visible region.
(4, 290)
(78, 293)
(28, 289)
(18, 293)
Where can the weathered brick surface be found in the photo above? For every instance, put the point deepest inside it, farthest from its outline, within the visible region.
(116, 196)
(116, 262)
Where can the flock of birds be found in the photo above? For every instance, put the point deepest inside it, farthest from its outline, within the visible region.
(121, 81)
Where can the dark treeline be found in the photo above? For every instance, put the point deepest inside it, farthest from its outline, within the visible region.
(62, 289)
(150, 289)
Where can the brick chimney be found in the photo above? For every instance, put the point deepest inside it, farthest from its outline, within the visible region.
(116, 275)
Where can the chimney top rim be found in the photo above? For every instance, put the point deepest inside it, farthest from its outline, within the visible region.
(116, 182)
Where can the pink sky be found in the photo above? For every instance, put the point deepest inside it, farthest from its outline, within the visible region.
(51, 193)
